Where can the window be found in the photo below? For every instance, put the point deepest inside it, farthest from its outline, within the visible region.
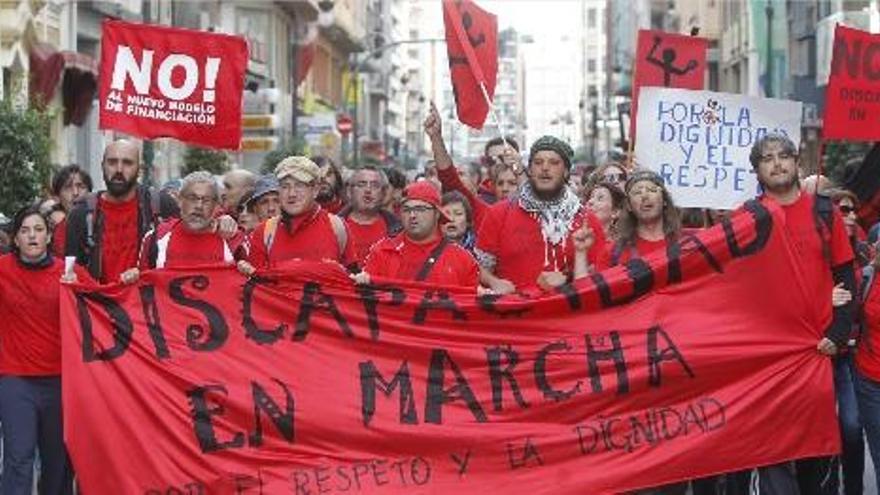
(591, 18)
(591, 65)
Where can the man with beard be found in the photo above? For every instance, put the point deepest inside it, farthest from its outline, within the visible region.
(649, 221)
(192, 239)
(525, 241)
(329, 185)
(304, 230)
(366, 220)
(236, 183)
(818, 235)
(104, 228)
(421, 253)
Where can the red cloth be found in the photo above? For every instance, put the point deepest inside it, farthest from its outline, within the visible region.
(451, 181)
(514, 237)
(186, 248)
(120, 241)
(361, 237)
(59, 238)
(310, 238)
(562, 394)
(643, 248)
(850, 106)
(30, 335)
(401, 258)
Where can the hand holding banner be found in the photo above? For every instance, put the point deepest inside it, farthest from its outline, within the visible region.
(159, 81)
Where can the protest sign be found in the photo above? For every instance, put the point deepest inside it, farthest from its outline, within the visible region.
(699, 142)
(852, 98)
(472, 49)
(669, 60)
(296, 381)
(158, 81)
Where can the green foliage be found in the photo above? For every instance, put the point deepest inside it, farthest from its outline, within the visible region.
(24, 156)
(216, 162)
(291, 148)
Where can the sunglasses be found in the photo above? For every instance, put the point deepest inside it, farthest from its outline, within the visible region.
(846, 209)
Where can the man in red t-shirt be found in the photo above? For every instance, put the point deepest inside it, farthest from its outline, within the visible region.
(525, 242)
(104, 229)
(421, 253)
(823, 250)
(650, 219)
(304, 230)
(367, 222)
(193, 239)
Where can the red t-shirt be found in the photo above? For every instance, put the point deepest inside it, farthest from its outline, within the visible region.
(643, 248)
(868, 356)
(399, 257)
(120, 240)
(363, 236)
(514, 237)
(311, 237)
(30, 332)
(59, 238)
(802, 231)
(185, 248)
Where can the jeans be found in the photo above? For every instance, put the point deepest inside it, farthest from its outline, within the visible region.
(30, 416)
(853, 455)
(868, 393)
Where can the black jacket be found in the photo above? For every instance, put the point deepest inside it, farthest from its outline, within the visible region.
(85, 225)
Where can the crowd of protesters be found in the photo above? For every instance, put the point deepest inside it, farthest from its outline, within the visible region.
(495, 226)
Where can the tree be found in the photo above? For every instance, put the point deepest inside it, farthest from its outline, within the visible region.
(25, 165)
(195, 158)
(295, 147)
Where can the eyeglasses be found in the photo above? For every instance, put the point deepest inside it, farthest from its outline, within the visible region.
(846, 209)
(371, 185)
(416, 209)
(613, 177)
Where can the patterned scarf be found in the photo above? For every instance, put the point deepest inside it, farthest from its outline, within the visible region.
(556, 215)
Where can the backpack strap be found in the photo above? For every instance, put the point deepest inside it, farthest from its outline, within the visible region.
(433, 257)
(868, 274)
(823, 214)
(91, 208)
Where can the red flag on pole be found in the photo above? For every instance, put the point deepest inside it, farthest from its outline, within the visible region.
(472, 47)
(669, 60)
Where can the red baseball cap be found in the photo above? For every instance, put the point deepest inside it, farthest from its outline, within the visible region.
(424, 191)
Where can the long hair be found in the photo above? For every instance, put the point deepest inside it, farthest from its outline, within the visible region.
(628, 223)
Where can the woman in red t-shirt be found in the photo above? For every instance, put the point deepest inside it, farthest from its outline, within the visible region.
(30, 359)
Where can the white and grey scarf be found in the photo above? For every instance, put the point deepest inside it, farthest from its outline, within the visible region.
(556, 216)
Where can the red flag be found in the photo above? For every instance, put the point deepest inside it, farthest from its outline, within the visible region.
(669, 60)
(158, 81)
(472, 46)
(851, 99)
(305, 55)
(200, 381)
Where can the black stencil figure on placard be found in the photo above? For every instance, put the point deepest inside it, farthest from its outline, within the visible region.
(475, 39)
(667, 65)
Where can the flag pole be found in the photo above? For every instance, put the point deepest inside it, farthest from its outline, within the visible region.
(494, 113)
(821, 164)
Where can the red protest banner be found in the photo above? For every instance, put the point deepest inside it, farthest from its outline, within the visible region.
(852, 101)
(669, 60)
(472, 49)
(159, 81)
(295, 381)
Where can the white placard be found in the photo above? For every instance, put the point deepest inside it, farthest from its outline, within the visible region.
(699, 141)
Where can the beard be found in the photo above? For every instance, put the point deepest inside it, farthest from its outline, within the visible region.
(117, 186)
(325, 195)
